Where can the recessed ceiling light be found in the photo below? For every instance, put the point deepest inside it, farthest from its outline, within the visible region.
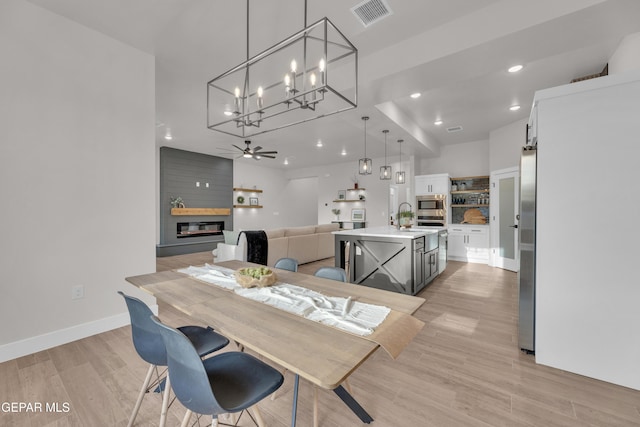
(515, 68)
(514, 108)
(415, 95)
(167, 135)
(228, 113)
(319, 143)
(344, 152)
(286, 161)
(437, 122)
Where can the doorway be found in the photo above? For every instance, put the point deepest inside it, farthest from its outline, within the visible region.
(505, 196)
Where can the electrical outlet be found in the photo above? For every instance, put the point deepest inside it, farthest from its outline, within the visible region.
(77, 292)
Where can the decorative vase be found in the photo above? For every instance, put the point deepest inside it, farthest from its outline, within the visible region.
(355, 185)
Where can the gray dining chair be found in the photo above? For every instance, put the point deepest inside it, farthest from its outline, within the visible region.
(228, 382)
(150, 347)
(287, 264)
(333, 273)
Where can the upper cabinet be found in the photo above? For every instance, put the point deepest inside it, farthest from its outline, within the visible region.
(432, 184)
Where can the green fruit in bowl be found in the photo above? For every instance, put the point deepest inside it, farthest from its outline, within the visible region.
(255, 272)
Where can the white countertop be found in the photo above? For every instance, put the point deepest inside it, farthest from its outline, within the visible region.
(390, 231)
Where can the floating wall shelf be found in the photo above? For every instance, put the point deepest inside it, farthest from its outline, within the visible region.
(200, 211)
(248, 206)
(248, 190)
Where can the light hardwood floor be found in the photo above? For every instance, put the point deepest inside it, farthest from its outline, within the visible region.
(463, 369)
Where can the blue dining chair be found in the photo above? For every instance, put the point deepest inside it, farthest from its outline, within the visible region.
(287, 264)
(150, 347)
(333, 273)
(229, 382)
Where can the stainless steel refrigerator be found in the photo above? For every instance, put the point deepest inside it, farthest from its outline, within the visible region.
(527, 239)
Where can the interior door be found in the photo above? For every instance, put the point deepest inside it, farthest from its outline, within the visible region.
(505, 190)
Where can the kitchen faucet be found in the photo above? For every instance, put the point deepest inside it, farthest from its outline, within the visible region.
(398, 214)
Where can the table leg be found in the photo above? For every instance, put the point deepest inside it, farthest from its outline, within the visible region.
(353, 404)
(296, 381)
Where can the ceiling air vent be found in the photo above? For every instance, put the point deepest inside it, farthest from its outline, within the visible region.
(371, 11)
(454, 129)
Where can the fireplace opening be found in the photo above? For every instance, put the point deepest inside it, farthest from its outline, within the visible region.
(200, 228)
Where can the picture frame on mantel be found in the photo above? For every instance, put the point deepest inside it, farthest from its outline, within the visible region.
(342, 194)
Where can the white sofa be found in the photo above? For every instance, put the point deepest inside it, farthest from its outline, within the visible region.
(305, 244)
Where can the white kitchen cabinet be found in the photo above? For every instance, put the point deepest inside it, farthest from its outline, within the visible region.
(468, 243)
(432, 184)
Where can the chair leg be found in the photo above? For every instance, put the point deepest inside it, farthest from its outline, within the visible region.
(185, 420)
(143, 391)
(258, 415)
(165, 402)
(214, 422)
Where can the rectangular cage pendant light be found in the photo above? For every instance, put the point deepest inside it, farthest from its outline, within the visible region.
(364, 166)
(289, 83)
(385, 172)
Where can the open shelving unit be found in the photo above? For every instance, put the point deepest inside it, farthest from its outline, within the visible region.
(351, 200)
(246, 190)
(471, 192)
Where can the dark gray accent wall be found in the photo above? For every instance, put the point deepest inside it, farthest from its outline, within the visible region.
(179, 172)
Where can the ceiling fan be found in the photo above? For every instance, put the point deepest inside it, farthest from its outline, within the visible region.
(256, 152)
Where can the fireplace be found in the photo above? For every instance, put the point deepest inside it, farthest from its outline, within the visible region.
(199, 228)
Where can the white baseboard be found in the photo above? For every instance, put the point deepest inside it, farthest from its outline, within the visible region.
(63, 336)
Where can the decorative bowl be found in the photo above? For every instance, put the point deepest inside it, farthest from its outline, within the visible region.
(255, 276)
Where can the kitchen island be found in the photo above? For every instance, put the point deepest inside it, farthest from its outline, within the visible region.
(387, 258)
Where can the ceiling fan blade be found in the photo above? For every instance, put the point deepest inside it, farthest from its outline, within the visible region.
(268, 156)
(257, 148)
(241, 149)
(268, 152)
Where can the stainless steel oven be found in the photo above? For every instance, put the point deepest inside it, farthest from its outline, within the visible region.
(431, 210)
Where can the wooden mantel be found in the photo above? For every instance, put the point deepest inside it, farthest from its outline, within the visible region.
(200, 211)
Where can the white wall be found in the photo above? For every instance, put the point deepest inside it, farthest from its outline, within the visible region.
(466, 159)
(332, 178)
(627, 56)
(505, 145)
(76, 177)
(287, 202)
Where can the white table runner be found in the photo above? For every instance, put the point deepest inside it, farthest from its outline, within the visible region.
(342, 313)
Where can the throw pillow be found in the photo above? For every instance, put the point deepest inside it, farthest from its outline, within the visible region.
(230, 237)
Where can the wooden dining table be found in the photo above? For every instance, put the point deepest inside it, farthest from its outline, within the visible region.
(321, 354)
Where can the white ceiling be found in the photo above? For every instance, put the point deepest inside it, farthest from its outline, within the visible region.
(454, 52)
